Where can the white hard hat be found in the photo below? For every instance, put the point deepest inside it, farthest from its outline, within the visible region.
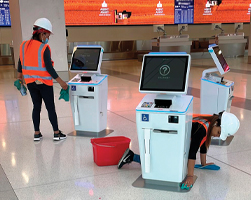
(229, 125)
(44, 23)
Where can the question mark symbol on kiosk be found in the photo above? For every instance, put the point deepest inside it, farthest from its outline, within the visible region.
(164, 70)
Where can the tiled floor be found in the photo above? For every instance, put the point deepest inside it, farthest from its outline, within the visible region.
(65, 170)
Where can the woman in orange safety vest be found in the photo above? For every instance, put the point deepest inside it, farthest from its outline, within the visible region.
(36, 68)
(203, 128)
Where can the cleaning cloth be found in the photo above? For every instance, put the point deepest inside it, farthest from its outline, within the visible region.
(64, 94)
(20, 86)
(18, 83)
(209, 167)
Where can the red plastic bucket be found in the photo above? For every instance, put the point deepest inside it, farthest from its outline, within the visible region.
(109, 150)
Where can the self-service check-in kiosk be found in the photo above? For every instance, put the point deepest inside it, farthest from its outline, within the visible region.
(216, 92)
(88, 92)
(164, 120)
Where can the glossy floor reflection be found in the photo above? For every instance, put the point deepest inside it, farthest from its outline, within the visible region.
(65, 170)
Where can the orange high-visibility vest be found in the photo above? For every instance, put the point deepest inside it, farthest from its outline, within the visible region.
(203, 122)
(32, 61)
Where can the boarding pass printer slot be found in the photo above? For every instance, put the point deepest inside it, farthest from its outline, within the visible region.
(87, 97)
(165, 131)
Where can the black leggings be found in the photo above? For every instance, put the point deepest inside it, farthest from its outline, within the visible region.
(45, 92)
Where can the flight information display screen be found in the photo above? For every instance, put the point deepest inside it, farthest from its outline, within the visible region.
(4, 13)
(184, 11)
(164, 73)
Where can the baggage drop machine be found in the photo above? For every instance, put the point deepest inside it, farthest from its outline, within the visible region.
(88, 92)
(164, 120)
(216, 93)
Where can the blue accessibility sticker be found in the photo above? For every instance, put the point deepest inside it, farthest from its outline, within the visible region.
(73, 88)
(145, 117)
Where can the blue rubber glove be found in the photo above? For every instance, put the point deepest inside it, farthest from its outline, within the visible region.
(209, 167)
(185, 187)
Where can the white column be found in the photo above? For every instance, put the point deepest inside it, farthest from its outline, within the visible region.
(23, 15)
(249, 43)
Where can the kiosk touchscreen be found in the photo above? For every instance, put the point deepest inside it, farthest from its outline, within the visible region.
(164, 117)
(86, 59)
(165, 74)
(88, 91)
(219, 59)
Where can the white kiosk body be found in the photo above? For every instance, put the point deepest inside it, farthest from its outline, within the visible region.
(164, 119)
(216, 92)
(88, 90)
(164, 139)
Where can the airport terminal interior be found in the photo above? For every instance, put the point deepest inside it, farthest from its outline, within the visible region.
(137, 40)
(66, 170)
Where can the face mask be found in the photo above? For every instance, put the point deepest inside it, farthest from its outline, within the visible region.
(46, 41)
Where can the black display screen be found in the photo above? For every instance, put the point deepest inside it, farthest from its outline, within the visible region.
(221, 59)
(164, 73)
(86, 59)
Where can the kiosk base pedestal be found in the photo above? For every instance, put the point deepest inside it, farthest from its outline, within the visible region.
(220, 142)
(103, 133)
(160, 185)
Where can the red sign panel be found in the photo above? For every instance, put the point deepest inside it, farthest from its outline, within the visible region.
(222, 11)
(112, 12)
